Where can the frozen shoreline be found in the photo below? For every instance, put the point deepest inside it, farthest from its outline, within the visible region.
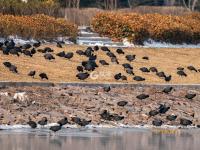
(102, 126)
(147, 44)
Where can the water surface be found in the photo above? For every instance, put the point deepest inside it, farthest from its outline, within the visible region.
(100, 139)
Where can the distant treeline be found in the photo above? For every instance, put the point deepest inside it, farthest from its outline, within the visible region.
(56, 7)
(114, 4)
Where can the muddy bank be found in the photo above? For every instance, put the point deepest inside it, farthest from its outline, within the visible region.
(88, 102)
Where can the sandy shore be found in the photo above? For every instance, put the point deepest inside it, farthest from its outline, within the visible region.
(88, 102)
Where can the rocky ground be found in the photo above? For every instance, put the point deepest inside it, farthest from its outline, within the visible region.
(89, 102)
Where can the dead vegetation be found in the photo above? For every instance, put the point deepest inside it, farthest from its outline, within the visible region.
(63, 70)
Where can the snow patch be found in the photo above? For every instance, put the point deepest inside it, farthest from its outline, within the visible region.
(14, 127)
(21, 96)
(154, 44)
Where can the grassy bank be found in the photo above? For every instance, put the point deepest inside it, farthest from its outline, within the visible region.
(63, 70)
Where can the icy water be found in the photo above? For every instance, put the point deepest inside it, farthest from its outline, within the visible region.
(100, 139)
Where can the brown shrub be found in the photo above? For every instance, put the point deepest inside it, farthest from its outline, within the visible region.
(36, 26)
(165, 28)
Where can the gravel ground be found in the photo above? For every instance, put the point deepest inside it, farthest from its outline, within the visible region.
(88, 102)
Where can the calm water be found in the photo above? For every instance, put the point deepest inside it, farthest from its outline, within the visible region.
(100, 139)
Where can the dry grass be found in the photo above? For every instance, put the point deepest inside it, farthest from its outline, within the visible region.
(62, 70)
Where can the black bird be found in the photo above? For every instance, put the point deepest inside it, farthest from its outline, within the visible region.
(89, 51)
(157, 122)
(144, 69)
(43, 121)
(130, 57)
(168, 78)
(41, 50)
(110, 54)
(6, 50)
(33, 51)
(9, 44)
(13, 69)
(48, 50)
(192, 68)
(190, 96)
(7, 64)
(80, 68)
(122, 103)
(181, 73)
(116, 117)
(59, 45)
(123, 77)
(161, 74)
(85, 122)
(27, 53)
(129, 71)
(96, 48)
(82, 76)
(32, 124)
(1, 44)
(18, 49)
(63, 121)
(185, 122)
(138, 78)
(153, 112)
(32, 73)
(126, 65)
(37, 44)
(92, 57)
(104, 48)
(43, 76)
(106, 88)
(55, 128)
(76, 120)
(26, 46)
(171, 117)
(103, 62)
(106, 115)
(180, 68)
(69, 55)
(80, 52)
(115, 60)
(118, 76)
(142, 96)
(89, 65)
(120, 51)
(61, 54)
(145, 58)
(153, 69)
(14, 52)
(167, 90)
(49, 56)
(163, 109)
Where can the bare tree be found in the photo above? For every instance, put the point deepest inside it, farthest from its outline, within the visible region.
(190, 4)
(110, 4)
(170, 2)
(73, 3)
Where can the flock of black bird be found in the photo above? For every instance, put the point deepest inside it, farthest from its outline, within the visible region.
(107, 116)
(84, 69)
(10, 48)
